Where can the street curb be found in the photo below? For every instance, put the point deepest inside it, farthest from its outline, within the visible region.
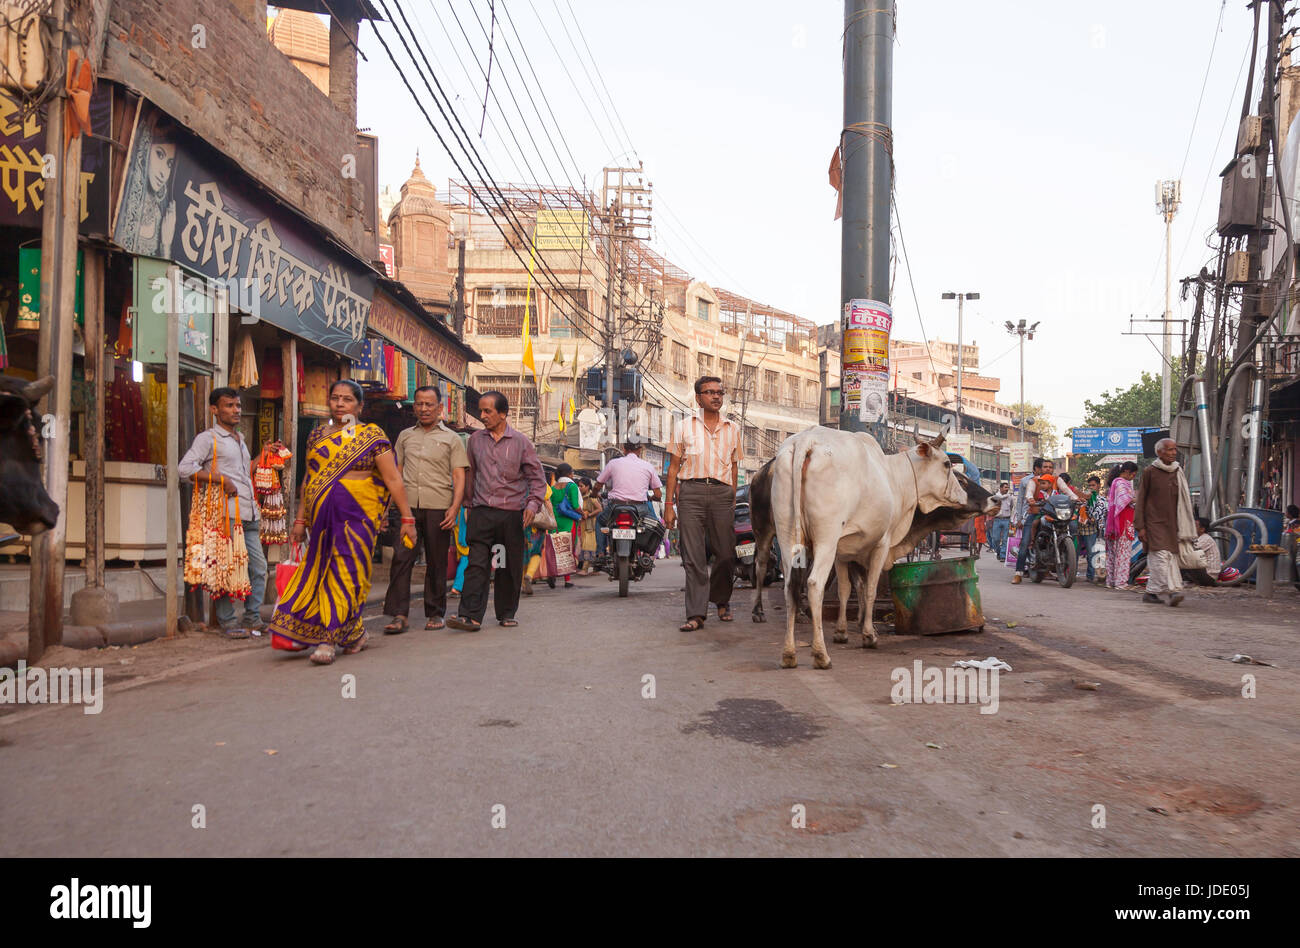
(133, 632)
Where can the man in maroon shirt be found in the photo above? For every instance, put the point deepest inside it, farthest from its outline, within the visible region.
(504, 489)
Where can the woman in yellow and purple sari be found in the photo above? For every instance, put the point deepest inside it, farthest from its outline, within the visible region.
(350, 474)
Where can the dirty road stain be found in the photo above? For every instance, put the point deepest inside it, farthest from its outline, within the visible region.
(498, 722)
(756, 721)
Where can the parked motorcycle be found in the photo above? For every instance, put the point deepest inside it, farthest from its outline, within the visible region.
(633, 540)
(746, 545)
(1054, 550)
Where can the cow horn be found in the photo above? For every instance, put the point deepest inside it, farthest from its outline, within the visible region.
(35, 391)
(916, 433)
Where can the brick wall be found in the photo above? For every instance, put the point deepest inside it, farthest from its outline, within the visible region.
(246, 99)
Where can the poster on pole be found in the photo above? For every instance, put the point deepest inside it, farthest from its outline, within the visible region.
(873, 406)
(866, 325)
(1022, 454)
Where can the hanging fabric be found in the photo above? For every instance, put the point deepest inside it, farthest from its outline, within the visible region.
(272, 374)
(243, 373)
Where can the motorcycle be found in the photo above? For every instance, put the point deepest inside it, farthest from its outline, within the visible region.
(1054, 550)
(746, 545)
(633, 540)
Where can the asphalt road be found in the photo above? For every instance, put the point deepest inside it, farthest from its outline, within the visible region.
(547, 732)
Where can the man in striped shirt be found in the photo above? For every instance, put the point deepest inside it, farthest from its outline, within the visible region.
(705, 454)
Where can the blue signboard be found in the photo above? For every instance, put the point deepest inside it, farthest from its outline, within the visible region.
(1108, 440)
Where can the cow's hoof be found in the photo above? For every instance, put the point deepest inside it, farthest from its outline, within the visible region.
(757, 616)
(840, 637)
(870, 641)
(821, 661)
(788, 660)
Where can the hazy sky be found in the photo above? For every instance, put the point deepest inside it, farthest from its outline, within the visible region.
(1028, 140)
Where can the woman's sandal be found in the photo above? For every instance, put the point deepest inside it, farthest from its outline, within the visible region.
(693, 624)
(396, 627)
(361, 643)
(324, 654)
(724, 613)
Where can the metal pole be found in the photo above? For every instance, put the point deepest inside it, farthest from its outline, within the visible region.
(1207, 455)
(961, 298)
(1255, 410)
(173, 453)
(1165, 381)
(1022, 386)
(867, 164)
(610, 359)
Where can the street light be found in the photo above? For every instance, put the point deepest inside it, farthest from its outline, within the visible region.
(1020, 329)
(961, 357)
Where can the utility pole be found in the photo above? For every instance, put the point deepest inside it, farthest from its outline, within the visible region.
(961, 354)
(1022, 330)
(626, 203)
(458, 316)
(1168, 197)
(867, 159)
(60, 217)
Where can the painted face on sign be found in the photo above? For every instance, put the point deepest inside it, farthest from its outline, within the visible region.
(162, 157)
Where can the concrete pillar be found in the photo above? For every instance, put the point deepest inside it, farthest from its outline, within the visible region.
(343, 64)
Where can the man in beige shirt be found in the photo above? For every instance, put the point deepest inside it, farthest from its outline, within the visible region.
(432, 461)
(705, 453)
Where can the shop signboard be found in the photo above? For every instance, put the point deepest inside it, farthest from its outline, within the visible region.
(1022, 457)
(959, 444)
(399, 326)
(181, 203)
(23, 166)
(165, 295)
(29, 289)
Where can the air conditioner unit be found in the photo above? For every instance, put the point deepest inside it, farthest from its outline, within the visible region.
(1249, 134)
(1237, 270)
(20, 47)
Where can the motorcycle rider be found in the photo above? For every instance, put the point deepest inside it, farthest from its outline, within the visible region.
(630, 479)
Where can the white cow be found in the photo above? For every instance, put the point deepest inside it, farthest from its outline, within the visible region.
(837, 498)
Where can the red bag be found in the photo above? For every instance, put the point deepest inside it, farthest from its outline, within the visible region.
(284, 572)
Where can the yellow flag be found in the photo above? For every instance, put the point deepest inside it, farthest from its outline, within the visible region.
(572, 409)
(528, 308)
(558, 358)
(575, 365)
(561, 417)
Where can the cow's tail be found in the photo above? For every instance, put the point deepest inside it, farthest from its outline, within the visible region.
(798, 469)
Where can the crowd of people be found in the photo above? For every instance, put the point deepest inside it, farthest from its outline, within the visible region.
(483, 510)
(1113, 514)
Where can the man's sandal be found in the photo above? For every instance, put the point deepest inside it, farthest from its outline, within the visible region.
(724, 613)
(693, 624)
(396, 627)
(434, 624)
(509, 623)
(465, 625)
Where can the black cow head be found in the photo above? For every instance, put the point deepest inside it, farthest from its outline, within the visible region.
(23, 501)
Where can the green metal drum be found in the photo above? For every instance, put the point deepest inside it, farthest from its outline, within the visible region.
(933, 596)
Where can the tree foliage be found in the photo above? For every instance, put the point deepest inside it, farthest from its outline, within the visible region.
(1049, 442)
(1137, 406)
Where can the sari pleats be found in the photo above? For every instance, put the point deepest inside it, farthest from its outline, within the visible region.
(324, 600)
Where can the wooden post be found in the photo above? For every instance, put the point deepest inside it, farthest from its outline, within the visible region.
(94, 427)
(172, 586)
(289, 354)
(47, 345)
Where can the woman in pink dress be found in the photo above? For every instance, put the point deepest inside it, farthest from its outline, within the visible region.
(1119, 524)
